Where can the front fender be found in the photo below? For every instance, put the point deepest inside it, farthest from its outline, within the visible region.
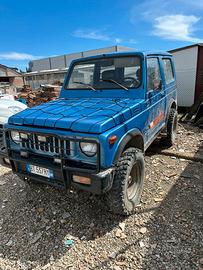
(125, 140)
(111, 152)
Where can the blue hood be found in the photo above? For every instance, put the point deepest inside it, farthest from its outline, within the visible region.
(89, 115)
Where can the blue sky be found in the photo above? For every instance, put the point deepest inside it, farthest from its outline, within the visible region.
(36, 29)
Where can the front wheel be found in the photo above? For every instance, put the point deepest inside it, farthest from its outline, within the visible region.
(128, 182)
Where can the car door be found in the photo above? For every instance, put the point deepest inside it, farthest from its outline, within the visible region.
(155, 97)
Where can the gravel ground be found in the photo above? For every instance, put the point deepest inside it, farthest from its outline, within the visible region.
(44, 228)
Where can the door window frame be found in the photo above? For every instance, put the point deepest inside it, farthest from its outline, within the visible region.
(159, 64)
(172, 68)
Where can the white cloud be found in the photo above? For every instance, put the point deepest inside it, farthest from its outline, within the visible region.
(17, 56)
(176, 27)
(166, 21)
(90, 34)
(149, 9)
(100, 35)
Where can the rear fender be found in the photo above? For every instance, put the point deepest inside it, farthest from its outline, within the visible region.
(172, 105)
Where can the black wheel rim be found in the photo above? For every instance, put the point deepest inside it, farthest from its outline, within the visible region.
(134, 180)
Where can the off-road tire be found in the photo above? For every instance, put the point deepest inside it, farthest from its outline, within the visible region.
(171, 129)
(118, 199)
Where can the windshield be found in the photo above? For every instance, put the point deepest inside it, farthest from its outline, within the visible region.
(106, 73)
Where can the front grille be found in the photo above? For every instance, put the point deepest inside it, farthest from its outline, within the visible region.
(52, 145)
(42, 153)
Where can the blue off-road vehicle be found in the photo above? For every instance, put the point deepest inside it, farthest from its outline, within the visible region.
(111, 108)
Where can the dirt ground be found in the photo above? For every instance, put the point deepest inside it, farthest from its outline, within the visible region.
(37, 222)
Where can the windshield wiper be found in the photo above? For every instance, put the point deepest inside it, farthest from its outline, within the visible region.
(89, 85)
(110, 80)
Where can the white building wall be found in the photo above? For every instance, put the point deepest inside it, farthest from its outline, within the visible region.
(185, 66)
(57, 62)
(41, 64)
(72, 56)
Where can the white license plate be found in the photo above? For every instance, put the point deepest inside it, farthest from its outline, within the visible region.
(39, 171)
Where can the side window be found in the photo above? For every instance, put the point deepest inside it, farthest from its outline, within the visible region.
(153, 74)
(168, 72)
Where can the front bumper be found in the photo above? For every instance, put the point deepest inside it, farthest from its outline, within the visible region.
(101, 181)
(33, 153)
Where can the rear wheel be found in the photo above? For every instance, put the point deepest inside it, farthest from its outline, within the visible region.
(128, 182)
(172, 126)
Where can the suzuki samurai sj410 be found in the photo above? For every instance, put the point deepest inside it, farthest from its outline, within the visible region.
(93, 137)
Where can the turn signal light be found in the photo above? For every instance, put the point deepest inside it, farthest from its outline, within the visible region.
(112, 139)
(81, 180)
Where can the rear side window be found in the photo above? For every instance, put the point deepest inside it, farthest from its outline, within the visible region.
(168, 71)
(153, 74)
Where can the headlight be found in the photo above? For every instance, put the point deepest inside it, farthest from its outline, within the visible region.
(15, 136)
(15, 109)
(89, 149)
